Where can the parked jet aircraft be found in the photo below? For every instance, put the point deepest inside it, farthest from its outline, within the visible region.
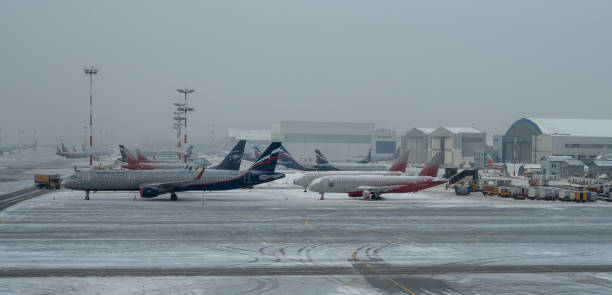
(324, 165)
(64, 152)
(368, 159)
(13, 148)
(168, 154)
(398, 168)
(372, 186)
(286, 159)
(152, 183)
(252, 156)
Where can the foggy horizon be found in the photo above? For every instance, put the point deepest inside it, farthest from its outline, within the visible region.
(396, 64)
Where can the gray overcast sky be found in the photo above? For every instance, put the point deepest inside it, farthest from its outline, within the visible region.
(400, 64)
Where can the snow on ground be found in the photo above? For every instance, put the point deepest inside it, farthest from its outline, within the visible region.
(189, 285)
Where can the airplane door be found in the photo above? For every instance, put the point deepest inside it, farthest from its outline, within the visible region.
(247, 178)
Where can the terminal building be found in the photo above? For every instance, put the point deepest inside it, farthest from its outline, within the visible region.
(339, 141)
(253, 137)
(529, 140)
(416, 142)
(457, 145)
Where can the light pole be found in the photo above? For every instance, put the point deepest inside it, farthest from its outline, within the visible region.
(91, 71)
(185, 109)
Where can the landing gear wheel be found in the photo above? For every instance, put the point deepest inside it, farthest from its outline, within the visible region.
(173, 197)
(322, 196)
(86, 195)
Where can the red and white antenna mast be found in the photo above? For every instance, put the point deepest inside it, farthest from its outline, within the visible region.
(91, 71)
(185, 108)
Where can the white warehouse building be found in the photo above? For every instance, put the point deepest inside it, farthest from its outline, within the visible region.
(339, 141)
(416, 142)
(457, 145)
(529, 140)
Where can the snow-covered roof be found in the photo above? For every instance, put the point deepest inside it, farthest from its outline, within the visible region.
(462, 130)
(603, 163)
(574, 127)
(567, 159)
(425, 130)
(250, 134)
(556, 158)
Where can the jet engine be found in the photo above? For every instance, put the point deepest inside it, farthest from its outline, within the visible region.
(149, 191)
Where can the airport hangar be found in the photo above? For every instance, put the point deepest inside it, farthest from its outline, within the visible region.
(529, 140)
(339, 141)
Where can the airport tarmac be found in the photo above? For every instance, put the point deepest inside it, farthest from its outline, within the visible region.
(278, 240)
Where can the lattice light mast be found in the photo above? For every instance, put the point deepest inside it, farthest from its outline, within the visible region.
(91, 71)
(185, 108)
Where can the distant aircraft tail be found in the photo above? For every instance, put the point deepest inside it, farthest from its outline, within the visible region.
(189, 151)
(64, 149)
(141, 157)
(233, 159)
(122, 151)
(368, 158)
(431, 169)
(401, 163)
(320, 158)
(256, 152)
(268, 159)
(130, 157)
(59, 152)
(74, 149)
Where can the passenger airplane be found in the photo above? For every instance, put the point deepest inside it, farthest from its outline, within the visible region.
(167, 154)
(252, 157)
(324, 165)
(492, 165)
(398, 168)
(13, 148)
(372, 186)
(64, 152)
(286, 159)
(152, 183)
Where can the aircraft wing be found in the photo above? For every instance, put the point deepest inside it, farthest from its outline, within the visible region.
(168, 186)
(171, 185)
(378, 189)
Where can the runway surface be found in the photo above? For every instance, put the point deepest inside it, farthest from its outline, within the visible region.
(10, 199)
(279, 241)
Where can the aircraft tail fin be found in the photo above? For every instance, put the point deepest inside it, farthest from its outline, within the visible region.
(64, 149)
(140, 156)
(368, 158)
(431, 168)
(267, 160)
(189, 151)
(234, 157)
(401, 163)
(320, 158)
(122, 151)
(59, 152)
(130, 157)
(256, 152)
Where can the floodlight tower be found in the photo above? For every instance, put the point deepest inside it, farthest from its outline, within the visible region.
(178, 126)
(91, 71)
(185, 109)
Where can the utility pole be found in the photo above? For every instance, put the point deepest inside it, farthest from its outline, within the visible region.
(91, 71)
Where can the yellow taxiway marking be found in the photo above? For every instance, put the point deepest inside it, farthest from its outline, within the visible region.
(354, 254)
